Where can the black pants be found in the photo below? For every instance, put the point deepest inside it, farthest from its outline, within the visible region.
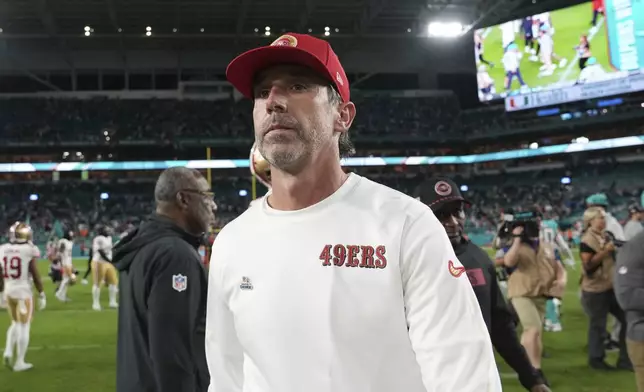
(597, 307)
(582, 62)
(89, 268)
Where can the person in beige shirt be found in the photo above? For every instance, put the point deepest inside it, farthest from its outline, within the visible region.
(598, 298)
(536, 277)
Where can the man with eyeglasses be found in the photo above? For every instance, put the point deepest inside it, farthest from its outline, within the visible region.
(163, 288)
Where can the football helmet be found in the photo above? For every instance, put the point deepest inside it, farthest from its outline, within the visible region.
(20, 232)
(103, 230)
(68, 235)
(260, 167)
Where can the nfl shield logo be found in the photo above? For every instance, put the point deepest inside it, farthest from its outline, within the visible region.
(179, 282)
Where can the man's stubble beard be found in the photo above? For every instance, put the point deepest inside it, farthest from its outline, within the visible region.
(291, 158)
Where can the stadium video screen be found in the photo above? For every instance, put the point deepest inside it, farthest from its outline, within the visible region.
(586, 51)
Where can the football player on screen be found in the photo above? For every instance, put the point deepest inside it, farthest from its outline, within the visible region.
(479, 50)
(19, 258)
(511, 62)
(485, 84)
(528, 36)
(546, 43)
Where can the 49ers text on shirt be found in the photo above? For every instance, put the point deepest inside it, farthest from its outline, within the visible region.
(363, 256)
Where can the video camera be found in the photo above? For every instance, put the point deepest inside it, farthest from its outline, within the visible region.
(529, 220)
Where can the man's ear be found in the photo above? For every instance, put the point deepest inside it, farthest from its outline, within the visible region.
(346, 115)
(181, 200)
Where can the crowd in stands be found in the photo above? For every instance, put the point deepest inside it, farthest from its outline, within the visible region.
(55, 120)
(102, 120)
(74, 202)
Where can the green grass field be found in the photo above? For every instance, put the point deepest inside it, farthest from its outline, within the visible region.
(74, 348)
(570, 24)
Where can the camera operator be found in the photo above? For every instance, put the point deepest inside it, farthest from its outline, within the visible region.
(536, 276)
(597, 296)
(444, 198)
(617, 235)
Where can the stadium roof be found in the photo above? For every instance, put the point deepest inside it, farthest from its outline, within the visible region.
(208, 23)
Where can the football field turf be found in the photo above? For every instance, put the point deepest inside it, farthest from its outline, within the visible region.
(569, 24)
(73, 348)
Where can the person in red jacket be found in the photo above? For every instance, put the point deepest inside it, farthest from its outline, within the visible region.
(598, 9)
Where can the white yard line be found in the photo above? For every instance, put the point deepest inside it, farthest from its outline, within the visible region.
(575, 60)
(68, 347)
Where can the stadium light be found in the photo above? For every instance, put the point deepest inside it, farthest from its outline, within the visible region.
(465, 188)
(565, 180)
(445, 29)
(202, 30)
(87, 28)
(174, 30)
(243, 193)
(33, 197)
(581, 140)
(105, 196)
(1, 31)
(148, 28)
(534, 145)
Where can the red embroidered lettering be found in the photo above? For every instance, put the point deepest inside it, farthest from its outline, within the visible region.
(325, 256)
(367, 257)
(339, 255)
(381, 260)
(353, 260)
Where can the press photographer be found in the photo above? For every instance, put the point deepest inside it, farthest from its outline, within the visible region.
(597, 250)
(535, 277)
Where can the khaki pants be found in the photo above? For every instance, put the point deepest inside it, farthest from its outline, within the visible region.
(636, 353)
(531, 311)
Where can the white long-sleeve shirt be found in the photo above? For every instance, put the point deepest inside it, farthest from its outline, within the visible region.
(612, 225)
(360, 292)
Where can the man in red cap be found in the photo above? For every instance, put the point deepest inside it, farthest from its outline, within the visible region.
(333, 282)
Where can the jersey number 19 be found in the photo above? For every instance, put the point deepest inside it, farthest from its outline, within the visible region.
(12, 267)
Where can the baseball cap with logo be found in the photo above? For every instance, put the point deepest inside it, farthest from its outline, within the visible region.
(439, 191)
(290, 48)
(598, 199)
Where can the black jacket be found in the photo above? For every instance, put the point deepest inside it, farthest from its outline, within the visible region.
(162, 310)
(498, 317)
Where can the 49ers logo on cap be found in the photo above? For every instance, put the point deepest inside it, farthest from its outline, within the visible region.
(285, 40)
(442, 188)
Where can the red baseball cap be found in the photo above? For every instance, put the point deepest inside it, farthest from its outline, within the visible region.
(290, 48)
